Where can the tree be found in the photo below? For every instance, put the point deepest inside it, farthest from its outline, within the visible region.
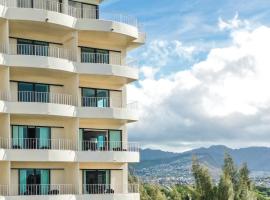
(230, 170)
(225, 188)
(245, 190)
(175, 195)
(203, 182)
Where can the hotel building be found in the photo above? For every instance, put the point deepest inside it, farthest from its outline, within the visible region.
(63, 105)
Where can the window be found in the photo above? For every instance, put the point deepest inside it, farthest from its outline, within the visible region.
(32, 47)
(30, 137)
(97, 181)
(33, 92)
(92, 55)
(34, 181)
(84, 10)
(115, 138)
(95, 97)
(100, 140)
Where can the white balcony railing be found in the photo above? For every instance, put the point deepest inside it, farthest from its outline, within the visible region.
(109, 146)
(44, 97)
(37, 189)
(107, 189)
(84, 13)
(65, 53)
(63, 189)
(133, 188)
(114, 59)
(40, 50)
(100, 102)
(36, 143)
(65, 99)
(65, 144)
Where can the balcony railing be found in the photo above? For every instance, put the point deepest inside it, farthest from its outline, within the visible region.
(37, 189)
(37, 143)
(84, 13)
(106, 189)
(100, 58)
(65, 99)
(45, 97)
(41, 50)
(64, 53)
(100, 102)
(63, 189)
(65, 144)
(109, 146)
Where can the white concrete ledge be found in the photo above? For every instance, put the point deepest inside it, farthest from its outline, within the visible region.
(128, 74)
(46, 155)
(39, 15)
(134, 196)
(36, 108)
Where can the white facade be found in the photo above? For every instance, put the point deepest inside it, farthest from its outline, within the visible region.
(63, 104)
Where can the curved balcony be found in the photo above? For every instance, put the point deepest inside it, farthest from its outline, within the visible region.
(85, 19)
(44, 103)
(64, 59)
(63, 150)
(68, 191)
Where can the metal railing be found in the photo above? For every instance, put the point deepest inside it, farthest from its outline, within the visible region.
(83, 13)
(50, 5)
(65, 144)
(41, 50)
(49, 51)
(63, 189)
(119, 146)
(101, 58)
(133, 188)
(4, 96)
(45, 97)
(133, 106)
(37, 189)
(36, 143)
(97, 189)
(100, 102)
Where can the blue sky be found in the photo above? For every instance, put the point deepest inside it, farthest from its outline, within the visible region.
(204, 72)
(193, 22)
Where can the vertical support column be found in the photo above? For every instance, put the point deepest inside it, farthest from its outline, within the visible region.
(72, 131)
(4, 81)
(5, 132)
(125, 178)
(4, 36)
(72, 176)
(124, 96)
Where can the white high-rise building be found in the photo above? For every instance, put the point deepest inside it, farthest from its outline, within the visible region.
(63, 104)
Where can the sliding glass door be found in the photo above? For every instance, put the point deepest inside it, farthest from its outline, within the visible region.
(32, 47)
(92, 55)
(100, 140)
(84, 10)
(33, 92)
(95, 97)
(30, 137)
(34, 181)
(93, 140)
(115, 140)
(96, 181)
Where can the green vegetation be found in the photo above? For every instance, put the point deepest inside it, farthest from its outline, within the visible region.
(234, 184)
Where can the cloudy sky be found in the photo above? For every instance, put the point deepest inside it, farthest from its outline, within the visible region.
(204, 72)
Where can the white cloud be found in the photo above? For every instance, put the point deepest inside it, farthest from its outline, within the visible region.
(224, 99)
(160, 52)
(234, 23)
